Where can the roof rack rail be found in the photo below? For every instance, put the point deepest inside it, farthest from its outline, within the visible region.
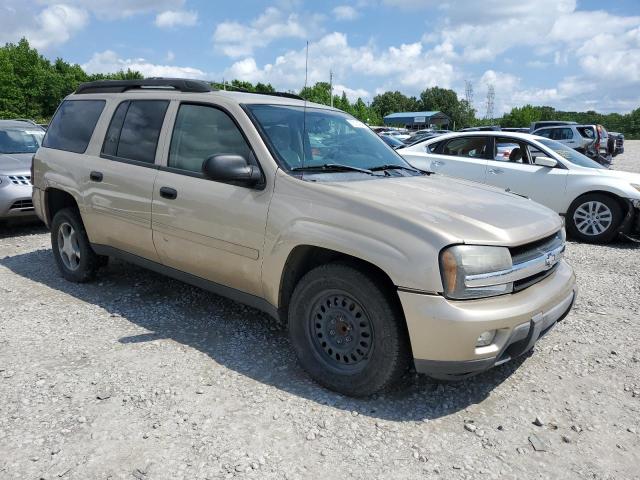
(119, 86)
(274, 94)
(283, 94)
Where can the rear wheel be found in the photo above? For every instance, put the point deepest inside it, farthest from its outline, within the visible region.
(72, 251)
(347, 332)
(594, 218)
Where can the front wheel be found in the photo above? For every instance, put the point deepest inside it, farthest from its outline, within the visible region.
(594, 218)
(347, 331)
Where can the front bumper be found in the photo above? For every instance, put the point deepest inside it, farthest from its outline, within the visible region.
(443, 332)
(15, 199)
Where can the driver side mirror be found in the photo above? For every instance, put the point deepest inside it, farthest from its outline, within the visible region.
(545, 162)
(231, 168)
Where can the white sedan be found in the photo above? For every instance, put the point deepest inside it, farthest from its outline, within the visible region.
(598, 203)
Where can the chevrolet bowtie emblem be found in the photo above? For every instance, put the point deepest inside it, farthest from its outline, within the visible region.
(550, 260)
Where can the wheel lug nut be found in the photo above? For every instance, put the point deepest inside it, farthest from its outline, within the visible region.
(332, 332)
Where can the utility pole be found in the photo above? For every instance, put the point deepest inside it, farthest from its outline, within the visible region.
(491, 95)
(331, 87)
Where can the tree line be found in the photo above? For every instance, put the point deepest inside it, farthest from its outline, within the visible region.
(31, 86)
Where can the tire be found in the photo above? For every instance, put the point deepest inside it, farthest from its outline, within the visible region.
(589, 214)
(72, 251)
(335, 305)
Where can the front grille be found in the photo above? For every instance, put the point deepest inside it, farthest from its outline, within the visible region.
(527, 282)
(23, 205)
(20, 179)
(532, 250)
(535, 250)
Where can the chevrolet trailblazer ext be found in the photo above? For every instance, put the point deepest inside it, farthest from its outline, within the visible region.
(303, 212)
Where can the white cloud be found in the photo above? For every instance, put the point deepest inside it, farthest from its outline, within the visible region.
(112, 9)
(235, 39)
(176, 18)
(52, 26)
(602, 48)
(345, 12)
(407, 65)
(351, 93)
(109, 62)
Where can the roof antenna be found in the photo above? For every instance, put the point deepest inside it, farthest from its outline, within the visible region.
(304, 110)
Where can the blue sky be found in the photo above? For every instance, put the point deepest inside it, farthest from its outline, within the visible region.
(565, 53)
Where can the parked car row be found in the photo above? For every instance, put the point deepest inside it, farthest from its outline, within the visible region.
(592, 141)
(597, 203)
(300, 210)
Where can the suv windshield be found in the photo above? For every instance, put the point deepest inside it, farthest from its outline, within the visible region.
(20, 140)
(324, 138)
(570, 154)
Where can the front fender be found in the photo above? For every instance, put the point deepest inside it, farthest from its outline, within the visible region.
(296, 220)
(611, 186)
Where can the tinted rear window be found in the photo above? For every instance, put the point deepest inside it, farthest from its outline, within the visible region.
(134, 130)
(73, 125)
(141, 129)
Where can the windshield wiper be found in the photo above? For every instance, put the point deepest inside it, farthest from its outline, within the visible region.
(333, 167)
(398, 167)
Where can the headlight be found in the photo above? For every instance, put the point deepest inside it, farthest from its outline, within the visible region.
(637, 187)
(460, 261)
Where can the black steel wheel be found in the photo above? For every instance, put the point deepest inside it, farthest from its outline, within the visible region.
(348, 330)
(341, 331)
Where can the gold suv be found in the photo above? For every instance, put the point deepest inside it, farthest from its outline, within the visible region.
(301, 211)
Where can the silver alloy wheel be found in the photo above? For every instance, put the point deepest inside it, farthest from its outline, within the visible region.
(68, 246)
(593, 218)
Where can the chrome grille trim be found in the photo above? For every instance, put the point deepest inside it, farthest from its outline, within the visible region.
(528, 261)
(22, 205)
(519, 271)
(20, 179)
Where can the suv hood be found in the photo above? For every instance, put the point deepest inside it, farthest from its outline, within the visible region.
(15, 163)
(459, 211)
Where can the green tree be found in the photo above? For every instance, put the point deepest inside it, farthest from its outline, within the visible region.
(264, 88)
(319, 93)
(31, 86)
(393, 102)
(446, 101)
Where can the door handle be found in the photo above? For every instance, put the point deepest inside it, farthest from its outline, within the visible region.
(495, 171)
(169, 193)
(95, 176)
(437, 163)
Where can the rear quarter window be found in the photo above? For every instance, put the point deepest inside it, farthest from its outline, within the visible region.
(73, 124)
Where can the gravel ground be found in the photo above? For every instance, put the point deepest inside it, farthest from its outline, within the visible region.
(138, 376)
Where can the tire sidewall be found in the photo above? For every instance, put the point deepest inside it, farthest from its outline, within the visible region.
(605, 237)
(386, 342)
(87, 266)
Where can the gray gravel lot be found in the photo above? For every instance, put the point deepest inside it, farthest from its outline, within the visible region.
(139, 376)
